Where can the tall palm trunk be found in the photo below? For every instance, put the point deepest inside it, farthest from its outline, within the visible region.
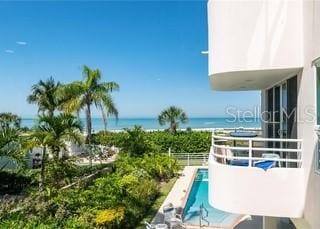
(89, 129)
(50, 113)
(42, 173)
(173, 127)
(89, 125)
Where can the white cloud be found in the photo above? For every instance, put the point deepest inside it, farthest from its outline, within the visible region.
(21, 43)
(8, 51)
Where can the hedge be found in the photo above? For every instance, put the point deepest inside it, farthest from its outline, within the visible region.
(181, 142)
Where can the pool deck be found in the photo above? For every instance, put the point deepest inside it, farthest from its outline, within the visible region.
(179, 194)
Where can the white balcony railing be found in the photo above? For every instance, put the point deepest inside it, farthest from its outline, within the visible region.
(256, 176)
(284, 152)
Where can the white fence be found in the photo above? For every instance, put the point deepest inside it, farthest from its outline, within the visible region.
(194, 159)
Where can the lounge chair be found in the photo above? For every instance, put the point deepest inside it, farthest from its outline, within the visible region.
(265, 165)
(149, 226)
(268, 163)
(171, 217)
(238, 162)
(155, 226)
(272, 155)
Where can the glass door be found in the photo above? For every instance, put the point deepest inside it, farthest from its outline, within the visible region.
(277, 115)
(283, 131)
(281, 105)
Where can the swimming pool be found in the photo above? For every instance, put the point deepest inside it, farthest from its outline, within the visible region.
(199, 195)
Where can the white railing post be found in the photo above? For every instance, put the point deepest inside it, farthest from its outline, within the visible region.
(169, 152)
(188, 159)
(300, 154)
(212, 138)
(250, 152)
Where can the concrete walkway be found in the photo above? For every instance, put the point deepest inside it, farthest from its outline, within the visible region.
(179, 193)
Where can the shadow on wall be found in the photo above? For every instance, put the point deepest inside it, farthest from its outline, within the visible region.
(312, 201)
(256, 223)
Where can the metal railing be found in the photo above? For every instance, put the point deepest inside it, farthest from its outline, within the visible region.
(203, 216)
(191, 159)
(83, 149)
(284, 152)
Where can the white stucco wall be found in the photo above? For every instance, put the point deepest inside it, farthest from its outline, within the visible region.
(275, 192)
(260, 35)
(250, 35)
(306, 99)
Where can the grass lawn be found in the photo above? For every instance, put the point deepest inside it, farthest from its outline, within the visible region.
(165, 188)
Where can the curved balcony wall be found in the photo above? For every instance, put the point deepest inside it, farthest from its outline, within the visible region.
(239, 184)
(253, 44)
(277, 192)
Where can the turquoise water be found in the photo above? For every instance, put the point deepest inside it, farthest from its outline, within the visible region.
(199, 195)
(152, 123)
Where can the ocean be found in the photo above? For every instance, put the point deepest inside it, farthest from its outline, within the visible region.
(152, 123)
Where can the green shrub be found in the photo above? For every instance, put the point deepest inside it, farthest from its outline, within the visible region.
(181, 142)
(13, 183)
(109, 138)
(157, 166)
(133, 186)
(135, 142)
(160, 166)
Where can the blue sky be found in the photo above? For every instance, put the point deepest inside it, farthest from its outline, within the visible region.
(152, 49)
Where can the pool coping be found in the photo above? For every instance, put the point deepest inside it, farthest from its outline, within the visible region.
(179, 194)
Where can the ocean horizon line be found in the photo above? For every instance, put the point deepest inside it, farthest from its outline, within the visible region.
(136, 117)
(153, 124)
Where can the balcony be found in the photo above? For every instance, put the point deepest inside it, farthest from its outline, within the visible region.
(249, 43)
(256, 175)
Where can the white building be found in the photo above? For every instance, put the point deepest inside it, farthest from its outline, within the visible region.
(272, 46)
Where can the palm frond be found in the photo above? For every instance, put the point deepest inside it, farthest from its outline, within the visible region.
(44, 94)
(172, 115)
(110, 86)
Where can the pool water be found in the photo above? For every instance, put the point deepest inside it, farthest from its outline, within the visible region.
(199, 195)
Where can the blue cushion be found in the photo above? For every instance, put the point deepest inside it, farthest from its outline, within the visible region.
(265, 165)
(239, 162)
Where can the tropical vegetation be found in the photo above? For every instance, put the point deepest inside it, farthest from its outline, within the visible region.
(11, 144)
(51, 134)
(172, 115)
(81, 95)
(46, 95)
(9, 120)
(181, 142)
(120, 199)
(61, 193)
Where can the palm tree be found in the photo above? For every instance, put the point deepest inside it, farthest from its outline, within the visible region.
(11, 145)
(172, 115)
(8, 119)
(46, 95)
(10, 139)
(82, 94)
(51, 134)
(39, 138)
